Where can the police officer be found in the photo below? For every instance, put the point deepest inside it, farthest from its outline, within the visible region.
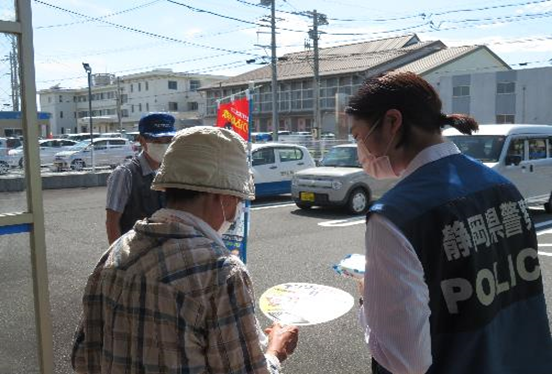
(452, 281)
(129, 194)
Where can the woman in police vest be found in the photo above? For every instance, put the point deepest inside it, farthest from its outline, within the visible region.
(452, 281)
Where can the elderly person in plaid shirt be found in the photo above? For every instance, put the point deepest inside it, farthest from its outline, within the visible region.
(168, 297)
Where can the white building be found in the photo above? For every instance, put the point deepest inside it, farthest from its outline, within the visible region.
(160, 90)
(514, 96)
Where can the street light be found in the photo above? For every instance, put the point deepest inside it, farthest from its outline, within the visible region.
(88, 70)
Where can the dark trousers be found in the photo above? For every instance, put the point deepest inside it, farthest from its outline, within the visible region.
(378, 369)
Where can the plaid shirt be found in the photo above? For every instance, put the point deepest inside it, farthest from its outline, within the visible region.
(168, 297)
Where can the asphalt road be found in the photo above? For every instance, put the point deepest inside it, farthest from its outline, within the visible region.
(286, 245)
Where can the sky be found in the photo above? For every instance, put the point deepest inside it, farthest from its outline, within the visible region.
(218, 36)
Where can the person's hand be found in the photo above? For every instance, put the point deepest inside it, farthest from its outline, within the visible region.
(282, 340)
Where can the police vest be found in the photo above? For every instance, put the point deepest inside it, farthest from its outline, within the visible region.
(477, 245)
(143, 201)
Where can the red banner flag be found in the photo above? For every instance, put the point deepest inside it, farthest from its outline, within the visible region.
(235, 116)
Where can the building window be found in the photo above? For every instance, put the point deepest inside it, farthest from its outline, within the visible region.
(194, 84)
(193, 105)
(49, 99)
(505, 87)
(140, 107)
(132, 108)
(74, 114)
(124, 113)
(173, 85)
(61, 114)
(459, 91)
(139, 87)
(60, 99)
(131, 87)
(173, 107)
(505, 118)
(124, 98)
(147, 107)
(147, 86)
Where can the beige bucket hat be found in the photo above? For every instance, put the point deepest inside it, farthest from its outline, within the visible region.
(206, 159)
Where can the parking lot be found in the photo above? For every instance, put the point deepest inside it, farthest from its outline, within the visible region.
(286, 245)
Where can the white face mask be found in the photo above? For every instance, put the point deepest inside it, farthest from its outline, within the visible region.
(227, 223)
(376, 167)
(156, 151)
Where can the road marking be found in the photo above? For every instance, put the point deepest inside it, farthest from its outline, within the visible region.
(343, 222)
(545, 254)
(272, 206)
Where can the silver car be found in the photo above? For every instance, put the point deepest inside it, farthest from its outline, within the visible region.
(48, 149)
(338, 181)
(107, 151)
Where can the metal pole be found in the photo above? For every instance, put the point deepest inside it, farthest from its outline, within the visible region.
(316, 84)
(89, 71)
(119, 117)
(275, 121)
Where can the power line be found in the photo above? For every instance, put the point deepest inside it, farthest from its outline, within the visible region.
(147, 33)
(193, 71)
(98, 18)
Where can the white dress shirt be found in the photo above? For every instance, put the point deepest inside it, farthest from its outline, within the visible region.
(395, 313)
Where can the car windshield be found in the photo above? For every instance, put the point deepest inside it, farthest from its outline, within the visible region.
(341, 157)
(485, 148)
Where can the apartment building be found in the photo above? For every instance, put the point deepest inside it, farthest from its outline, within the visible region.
(160, 90)
(342, 70)
(515, 96)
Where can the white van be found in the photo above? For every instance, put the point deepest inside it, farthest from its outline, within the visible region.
(521, 153)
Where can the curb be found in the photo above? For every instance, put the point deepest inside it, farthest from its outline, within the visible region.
(64, 180)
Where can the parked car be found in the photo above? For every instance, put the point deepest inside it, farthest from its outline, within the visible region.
(338, 181)
(82, 136)
(274, 164)
(259, 137)
(6, 144)
(521, 153)
(133, 137)
(107, 151)
(48, 149)
(4, 164)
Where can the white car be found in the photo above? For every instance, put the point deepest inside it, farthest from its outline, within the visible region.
(521, 153)
(107, 152)
(274, 165)
(48, 149)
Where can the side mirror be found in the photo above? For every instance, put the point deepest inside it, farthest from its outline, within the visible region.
(513, 160)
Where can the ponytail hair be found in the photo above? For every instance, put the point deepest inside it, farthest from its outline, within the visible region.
(461, 122)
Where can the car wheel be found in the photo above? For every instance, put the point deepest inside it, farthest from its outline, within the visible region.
(303, 206)
(78, 165)
(21, 162)
(358, 201)
(548, 205)
(4, 167)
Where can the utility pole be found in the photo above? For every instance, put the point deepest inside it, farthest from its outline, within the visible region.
(119, 116)
(317, 20)
(273, 61)
(14, 75)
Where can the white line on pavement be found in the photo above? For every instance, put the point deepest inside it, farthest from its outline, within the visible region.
(343, 222)
(545, 254)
